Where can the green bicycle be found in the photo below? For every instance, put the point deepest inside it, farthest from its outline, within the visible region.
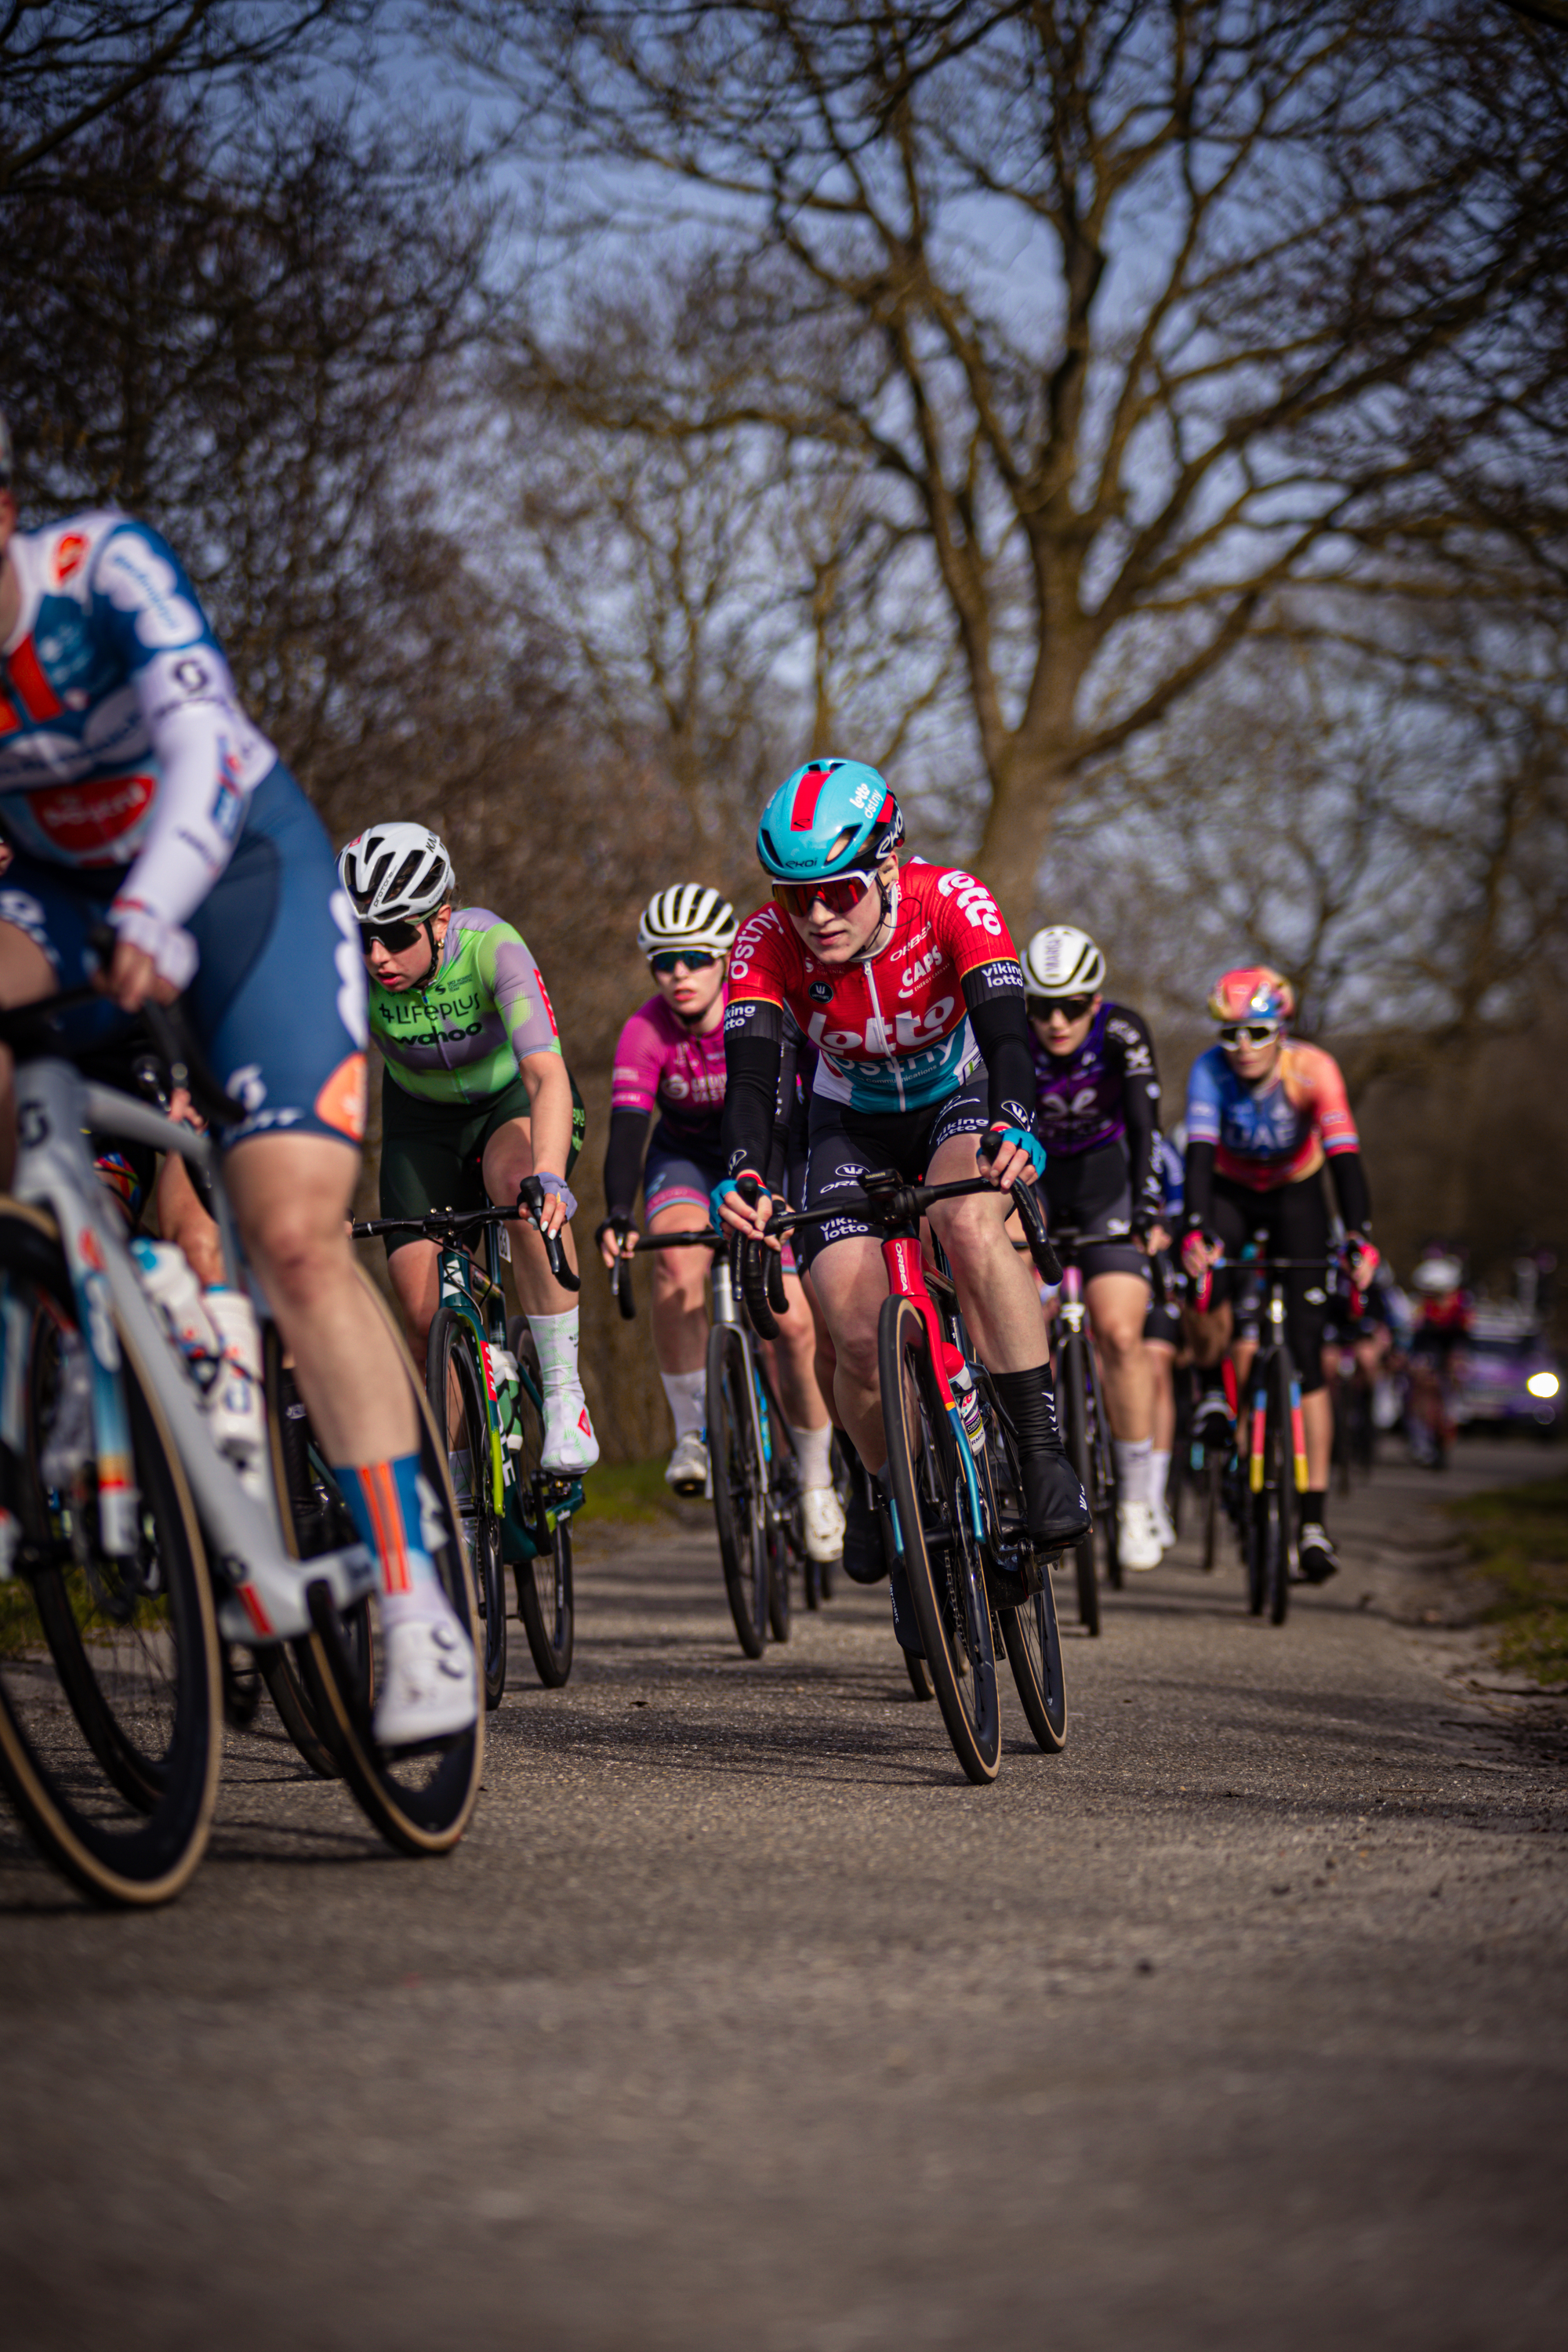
(482, 1380)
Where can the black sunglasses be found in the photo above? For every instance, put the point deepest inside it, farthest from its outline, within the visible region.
(1071, 1008)
(669, 960)
(392, 936)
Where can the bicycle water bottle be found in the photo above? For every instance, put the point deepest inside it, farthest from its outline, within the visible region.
(234, 1412)
(966, 1397)
(167, 1279)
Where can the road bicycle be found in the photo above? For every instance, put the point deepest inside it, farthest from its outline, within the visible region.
(957, 1507)
(129, 1549)
(486, 1399)
(752, 1474)
(1273, 1442)
(1085, 1428)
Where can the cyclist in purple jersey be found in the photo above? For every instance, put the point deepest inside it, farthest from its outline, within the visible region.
(1097, 1113)
(669, 1062)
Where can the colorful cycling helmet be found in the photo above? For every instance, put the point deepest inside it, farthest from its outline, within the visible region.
(1252, 992)
(395, 873)
(832, 816)
(1060, 961)
(690, 916)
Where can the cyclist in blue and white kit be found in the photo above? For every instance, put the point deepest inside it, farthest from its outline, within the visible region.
(134, 791)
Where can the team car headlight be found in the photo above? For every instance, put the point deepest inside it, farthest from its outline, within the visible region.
(1543, 1384)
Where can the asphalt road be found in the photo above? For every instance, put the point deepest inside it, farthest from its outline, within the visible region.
(741, 2020)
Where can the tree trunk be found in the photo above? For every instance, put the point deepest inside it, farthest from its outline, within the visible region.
(1023, 810)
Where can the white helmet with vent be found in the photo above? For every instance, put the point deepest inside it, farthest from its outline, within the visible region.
(1060, 961)
(690, 916)
(396, 873)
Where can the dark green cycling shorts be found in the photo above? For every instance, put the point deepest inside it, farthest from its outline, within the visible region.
(431, 1152)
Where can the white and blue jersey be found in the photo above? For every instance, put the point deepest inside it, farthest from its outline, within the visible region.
(121, 742)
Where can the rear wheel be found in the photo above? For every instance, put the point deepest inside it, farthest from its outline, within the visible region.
(739, 1508)
(420, 1800)
(459, 1405)
(110, 1680)
(545, 1598)
(1072, 1402)
(1105, 1494)
(931, 1496)
(1279, 1549)
(1214, 1504)
(1030, 1634)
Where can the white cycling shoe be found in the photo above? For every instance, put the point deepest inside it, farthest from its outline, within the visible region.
(429, 1689)
(687, 1469)
(822, 1522)
(570, 1444)
(1138, 1541)
(1162, 1527)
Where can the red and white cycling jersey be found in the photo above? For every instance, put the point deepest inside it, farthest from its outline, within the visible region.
(892, 1033)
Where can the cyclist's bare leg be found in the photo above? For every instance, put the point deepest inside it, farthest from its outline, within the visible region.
(1162, 1373)
(509, 1157)
(1208, 1335)
(291, 1195)
(791, 1360)
(679, 1306)
(1118, 1304)
(416, 1271)
(1318, 1426)
(996, 1285)
(851, 1282)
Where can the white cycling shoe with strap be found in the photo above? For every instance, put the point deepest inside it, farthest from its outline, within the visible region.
(570, 1444)
(430, 1685)
(1138, 1541)
(822, 1523)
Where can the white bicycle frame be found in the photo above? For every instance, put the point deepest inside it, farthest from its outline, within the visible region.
(260, 1587)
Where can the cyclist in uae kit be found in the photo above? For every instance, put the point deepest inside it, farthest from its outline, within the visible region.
(1097, 1110)
(669, 1061)
(134, 791)
(909, 986)
(1264, 1113)
(475, 1097)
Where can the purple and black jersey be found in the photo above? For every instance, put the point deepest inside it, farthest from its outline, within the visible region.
(1106, 1092)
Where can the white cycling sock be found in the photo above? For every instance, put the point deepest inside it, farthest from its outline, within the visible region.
(1159, 1475)
(813, 1448)
(1133, 1459)
(688, 1395)
(555, 1337)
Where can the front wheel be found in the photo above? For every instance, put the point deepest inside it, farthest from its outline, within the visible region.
(545, 1597)
(1030, 1634)
(740, 1504)
(1073, 1404)
(941, 1560)
(459, 1406)
(111, 1678)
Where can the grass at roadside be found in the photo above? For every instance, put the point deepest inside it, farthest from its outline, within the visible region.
(632, 1492)
(1518, 1539)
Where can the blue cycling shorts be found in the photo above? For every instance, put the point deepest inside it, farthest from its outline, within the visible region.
(278, 1005)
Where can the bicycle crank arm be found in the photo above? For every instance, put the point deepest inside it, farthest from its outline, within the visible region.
(268, 1597)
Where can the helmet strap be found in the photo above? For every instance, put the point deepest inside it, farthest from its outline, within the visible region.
(889, 894)
(428, 975)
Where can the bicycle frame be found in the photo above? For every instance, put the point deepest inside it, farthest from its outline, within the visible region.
(261, 1588)
(1274, 1318)
(476, 1293)
(906, 1279)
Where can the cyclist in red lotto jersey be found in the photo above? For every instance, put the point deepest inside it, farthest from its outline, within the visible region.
(907, 983)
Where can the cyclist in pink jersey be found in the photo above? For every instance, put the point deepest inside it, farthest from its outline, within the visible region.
(669, 1069)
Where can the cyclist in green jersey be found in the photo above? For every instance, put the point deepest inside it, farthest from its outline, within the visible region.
(475, 1097)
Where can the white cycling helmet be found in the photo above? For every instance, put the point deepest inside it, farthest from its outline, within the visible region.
(1060, 961)
(395, 873)
(1435, 1276)
(690, 916)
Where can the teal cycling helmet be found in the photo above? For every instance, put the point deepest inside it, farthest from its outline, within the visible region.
(832, 817)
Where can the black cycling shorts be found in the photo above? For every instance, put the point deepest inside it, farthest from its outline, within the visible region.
(1296, 1219)
(847, 1145)
(431, 1152)
(1090, 1190)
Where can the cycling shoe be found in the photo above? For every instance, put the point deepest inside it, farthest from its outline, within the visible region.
(1056, 1509)
(865, 1561)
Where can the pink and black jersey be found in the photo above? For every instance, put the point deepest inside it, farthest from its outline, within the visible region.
(661, 1067)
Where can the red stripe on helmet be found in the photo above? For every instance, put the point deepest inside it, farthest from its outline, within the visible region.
(807, 792)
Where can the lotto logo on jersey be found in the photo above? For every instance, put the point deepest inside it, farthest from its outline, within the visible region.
(910, 1031)
(973, 901)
